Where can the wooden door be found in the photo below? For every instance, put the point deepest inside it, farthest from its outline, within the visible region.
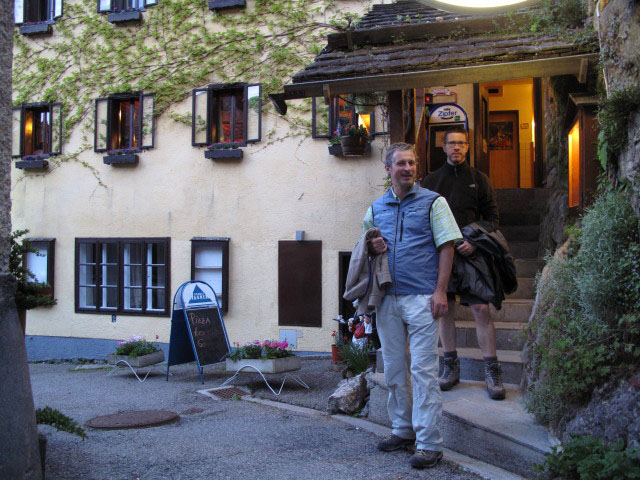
(504, 149)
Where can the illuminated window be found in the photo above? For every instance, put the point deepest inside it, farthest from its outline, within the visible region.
(574, 165)
(37, 130)
(124, 122)
(326, 119)
(226, 115)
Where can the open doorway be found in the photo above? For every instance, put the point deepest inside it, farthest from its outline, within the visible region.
(510, 132)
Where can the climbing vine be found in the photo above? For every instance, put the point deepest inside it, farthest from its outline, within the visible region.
(179, 45)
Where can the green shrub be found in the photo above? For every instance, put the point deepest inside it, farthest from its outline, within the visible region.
(357, 358)
(587, 324)
(586, 458)
(58, 420)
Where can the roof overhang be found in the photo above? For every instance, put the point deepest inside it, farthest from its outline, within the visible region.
(568, 65)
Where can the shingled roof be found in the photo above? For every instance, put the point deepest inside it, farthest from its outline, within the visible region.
(408, 36)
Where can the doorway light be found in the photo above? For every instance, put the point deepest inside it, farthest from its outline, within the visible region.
(478, 7)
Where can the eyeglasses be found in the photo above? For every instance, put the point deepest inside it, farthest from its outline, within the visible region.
(457, 144)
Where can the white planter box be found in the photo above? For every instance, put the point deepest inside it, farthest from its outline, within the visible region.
(137, 362)
(270, 365)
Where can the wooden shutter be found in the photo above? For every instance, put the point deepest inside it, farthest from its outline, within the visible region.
(199, 118)
(55, 110)
(300, 283)
(16, 132)
(102, 130)
(253, 112)
(147, 120)
(56, 9)
(320, 124)
(104, 6)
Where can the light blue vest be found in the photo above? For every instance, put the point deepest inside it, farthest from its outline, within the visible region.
(412, 253)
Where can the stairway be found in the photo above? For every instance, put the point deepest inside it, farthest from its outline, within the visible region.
(520, 213)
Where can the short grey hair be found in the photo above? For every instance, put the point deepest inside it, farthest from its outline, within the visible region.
(398, 147)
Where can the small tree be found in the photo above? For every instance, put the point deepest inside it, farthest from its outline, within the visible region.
(29, 294)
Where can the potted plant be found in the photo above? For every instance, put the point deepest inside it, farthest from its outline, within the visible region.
(137, 352)
(29, 294)
(268, 356)
(354, 140)
(338, 343)
(335, 145)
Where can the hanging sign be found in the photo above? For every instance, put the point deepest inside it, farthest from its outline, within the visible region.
(447, 113)
(197, 328)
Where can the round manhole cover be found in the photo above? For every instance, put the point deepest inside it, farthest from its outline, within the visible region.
(133, 419)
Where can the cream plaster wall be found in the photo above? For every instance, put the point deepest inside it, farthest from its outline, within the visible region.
(175, 192)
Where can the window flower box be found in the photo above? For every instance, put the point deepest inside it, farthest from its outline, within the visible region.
(126, 157)
(335, 150)
(223, 153)
(40, 28)
(137, 362)
(266, 365)
(33, 162)
(216, 5)
(126, 16)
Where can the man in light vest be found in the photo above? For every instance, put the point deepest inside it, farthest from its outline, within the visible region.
(417, 231)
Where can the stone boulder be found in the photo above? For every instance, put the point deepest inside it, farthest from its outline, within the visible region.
(613, 413)
(350, 396)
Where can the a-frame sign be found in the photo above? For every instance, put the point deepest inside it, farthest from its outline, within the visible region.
(197, 327)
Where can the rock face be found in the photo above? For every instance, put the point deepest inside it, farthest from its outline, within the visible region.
(613, 413)
(350, 395)
(630, 160)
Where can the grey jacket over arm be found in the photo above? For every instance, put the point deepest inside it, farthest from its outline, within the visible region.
(368, 276)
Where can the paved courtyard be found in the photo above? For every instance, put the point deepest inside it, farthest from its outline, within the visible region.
(214, 439)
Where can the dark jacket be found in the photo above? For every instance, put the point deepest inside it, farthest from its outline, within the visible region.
(467, 191)
(488, 273)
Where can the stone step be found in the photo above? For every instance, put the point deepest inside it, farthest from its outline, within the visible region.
(521, 233)
(513, 310)
(519, 218)
(528, 267)
(522, 199)
(472, 364)
(526, 288)
(509, 335)
(524, 249)
(501, 433)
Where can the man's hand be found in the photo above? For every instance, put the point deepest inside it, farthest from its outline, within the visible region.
(377, 246)
(466, 249)
(439, 304)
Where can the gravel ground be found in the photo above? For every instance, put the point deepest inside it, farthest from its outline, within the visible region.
(214, 439)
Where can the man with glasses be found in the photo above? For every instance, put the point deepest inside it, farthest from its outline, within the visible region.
(471, 198)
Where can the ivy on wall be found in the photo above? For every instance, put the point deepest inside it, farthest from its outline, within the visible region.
(179, 45)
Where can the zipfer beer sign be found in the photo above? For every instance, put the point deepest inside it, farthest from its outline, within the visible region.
(447, 113)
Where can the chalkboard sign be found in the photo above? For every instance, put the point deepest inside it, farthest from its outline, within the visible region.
(209, 338)
(197, 327)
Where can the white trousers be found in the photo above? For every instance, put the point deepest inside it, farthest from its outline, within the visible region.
(409, 316)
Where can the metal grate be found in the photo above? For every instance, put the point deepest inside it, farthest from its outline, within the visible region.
(227, 393)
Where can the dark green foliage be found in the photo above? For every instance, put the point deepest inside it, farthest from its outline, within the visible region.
(559, 15)
(613, 117)
(29, 293)
(58, 420)
(136, 349)
(587, 324)
(586, 458)
(357, 358)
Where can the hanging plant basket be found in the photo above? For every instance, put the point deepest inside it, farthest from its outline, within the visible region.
(353, 145)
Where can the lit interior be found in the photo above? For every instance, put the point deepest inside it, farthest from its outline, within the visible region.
(364, 119)
(574, 166)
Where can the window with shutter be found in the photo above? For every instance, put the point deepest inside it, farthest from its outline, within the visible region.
(36, 11)
(37, 130)
(124, 122)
